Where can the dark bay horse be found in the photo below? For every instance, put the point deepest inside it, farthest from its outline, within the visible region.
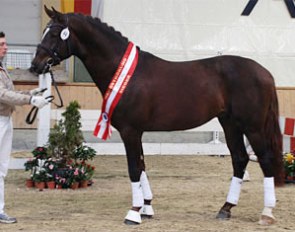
(167, 96)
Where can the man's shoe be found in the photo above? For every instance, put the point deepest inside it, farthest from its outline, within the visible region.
(6, 219)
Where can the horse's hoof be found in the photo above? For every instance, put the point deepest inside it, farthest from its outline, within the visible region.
(132, 218)
(266, 220)
(147, 211)
(223, 215)
(128, 222)
(146, 216)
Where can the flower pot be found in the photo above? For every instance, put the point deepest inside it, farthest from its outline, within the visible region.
(50, 184)
(75, 185)
(90, 183)
(29, 183)
(84, 184)
(290, 178)
(59, 186)
(40, 185)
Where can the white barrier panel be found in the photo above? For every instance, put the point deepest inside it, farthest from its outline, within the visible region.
(44, 121)
(288, 130)
(89, 119)
(164, 148)
(215, 147)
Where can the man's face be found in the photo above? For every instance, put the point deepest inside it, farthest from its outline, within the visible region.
(3, 47)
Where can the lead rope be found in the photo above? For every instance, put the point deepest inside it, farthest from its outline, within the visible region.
(34, 111)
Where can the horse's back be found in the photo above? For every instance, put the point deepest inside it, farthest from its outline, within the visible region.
(243, 71)
(182, 95)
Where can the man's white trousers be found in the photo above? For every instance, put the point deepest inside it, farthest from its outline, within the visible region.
(6, 133)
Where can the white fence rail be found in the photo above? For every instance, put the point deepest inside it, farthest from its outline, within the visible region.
(214, 147)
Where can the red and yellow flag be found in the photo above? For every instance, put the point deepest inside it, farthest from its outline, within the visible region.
(77, 6)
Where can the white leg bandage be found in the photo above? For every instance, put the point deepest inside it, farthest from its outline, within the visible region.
(234, 190)
(137, 195)
(269, 192)
(147, 193)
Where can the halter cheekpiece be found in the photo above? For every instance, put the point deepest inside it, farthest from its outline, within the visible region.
(53, 53)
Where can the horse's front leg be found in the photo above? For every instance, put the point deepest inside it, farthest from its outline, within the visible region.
(141, 191)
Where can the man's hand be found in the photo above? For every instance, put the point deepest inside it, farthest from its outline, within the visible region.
(39, 101)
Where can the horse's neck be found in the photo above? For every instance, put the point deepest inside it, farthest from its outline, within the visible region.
(101, 54)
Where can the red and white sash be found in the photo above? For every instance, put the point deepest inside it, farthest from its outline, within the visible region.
(115, 91)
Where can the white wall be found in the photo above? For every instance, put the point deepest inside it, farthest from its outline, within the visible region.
(195, 29)
(20, 20)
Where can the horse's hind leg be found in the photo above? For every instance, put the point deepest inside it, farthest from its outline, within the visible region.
(141, 192)
(240, 159)
(265, 156)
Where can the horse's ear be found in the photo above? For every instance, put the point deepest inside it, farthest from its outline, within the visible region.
(50, 13)
(53, 14)
(55, 11)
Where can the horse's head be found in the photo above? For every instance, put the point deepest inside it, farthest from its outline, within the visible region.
(55, 43)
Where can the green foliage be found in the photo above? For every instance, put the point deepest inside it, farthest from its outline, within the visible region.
(40, 153)
(56, 140)
(66, 135)
(289, 164)
(83, 153)
(31, 164)
(40, 176)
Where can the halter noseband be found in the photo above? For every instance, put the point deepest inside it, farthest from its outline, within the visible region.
(54, 55)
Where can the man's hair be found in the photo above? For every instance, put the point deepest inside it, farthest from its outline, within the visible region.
(2, 34)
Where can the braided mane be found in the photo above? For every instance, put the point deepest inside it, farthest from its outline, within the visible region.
(97, 23)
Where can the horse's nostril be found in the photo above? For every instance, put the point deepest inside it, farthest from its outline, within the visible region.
(33, 69)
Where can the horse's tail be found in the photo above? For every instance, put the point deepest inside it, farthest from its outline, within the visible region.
(274, 138)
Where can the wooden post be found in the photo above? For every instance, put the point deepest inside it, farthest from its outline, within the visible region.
(44, 113)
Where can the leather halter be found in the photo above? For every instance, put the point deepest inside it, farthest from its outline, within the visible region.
(55, 59)
(53, 52)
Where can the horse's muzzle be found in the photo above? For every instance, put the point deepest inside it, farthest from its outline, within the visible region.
(37, 69)
(33, 69)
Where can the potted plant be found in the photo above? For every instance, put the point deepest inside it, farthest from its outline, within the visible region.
(50, 167)
(80, 174)
(63, 160)
(75, 178)
(66, 135)
(89, 171)
(59, 181)
(39, 178)
(30, 165)
(289, 166)
(83, 153)
(40, 153)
